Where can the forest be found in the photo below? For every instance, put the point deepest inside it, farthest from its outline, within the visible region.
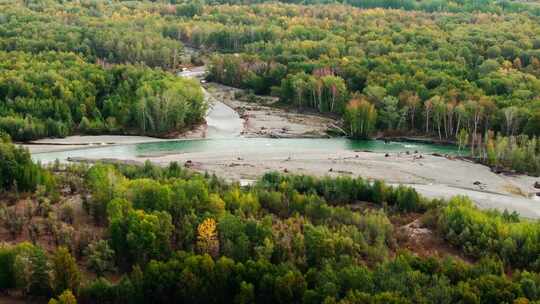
(138, 234)
(54, 94)
(423, 73)
(396, 71)
(60, 76)
(468, 79)
(404, 71)
(466, 72)
(486, 6)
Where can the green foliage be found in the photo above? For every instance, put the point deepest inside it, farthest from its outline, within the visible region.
(454, 74)
(7, 272)
(31, 270)
(286, 239)
(70, 68)
(323, 91)
(103, 183)
(493, 7)
(200, 279)
(100, 257)
(138, 236)
(519, 153)
(482, 234)
(193, 8)
(149, 195)
(17, 171)
(347, 191)
(97, 32)
(55, 94)
(360, 116)
(532, 128)
(66, 275)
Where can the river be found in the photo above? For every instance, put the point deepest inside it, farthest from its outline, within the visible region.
(223, 134)
(227, 153)
(241, 145)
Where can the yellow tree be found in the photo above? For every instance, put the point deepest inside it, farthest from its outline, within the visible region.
(66, 297)
(207, 239)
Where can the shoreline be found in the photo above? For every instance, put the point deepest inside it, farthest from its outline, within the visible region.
(418, 139)
(432, 176)
(82, 142)
(261, 119)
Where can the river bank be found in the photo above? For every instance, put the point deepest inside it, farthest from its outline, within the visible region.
(229, 118)
(262, 118)
(432, 176)
(76, 142)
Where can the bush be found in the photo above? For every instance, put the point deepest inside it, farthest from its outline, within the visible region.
(482, 234)
(100, 257)
(17, 171)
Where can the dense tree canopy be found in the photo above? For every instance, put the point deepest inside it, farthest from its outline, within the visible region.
(445, 72)
(449, 69)
(434, 68)
(95, 30)
(486, 6)
(17, 171)
(72, 69)
(178, 236)
(56, 94)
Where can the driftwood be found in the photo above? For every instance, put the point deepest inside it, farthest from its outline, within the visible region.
(333, 126)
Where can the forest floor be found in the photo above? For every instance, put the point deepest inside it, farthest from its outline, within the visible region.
(423, 241)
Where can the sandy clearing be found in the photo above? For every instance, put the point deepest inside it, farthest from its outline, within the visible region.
(527, 207)
(262, 119)
(84, 142)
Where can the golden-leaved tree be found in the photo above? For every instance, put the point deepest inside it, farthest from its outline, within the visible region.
(207, 238)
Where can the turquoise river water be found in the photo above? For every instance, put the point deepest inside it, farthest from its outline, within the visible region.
(240, 144)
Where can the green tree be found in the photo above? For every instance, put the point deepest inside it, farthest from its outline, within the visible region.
(103, 182)
(100, 257)
(389, 112)
(139, 236)
(17, 171)
(360, 116)
(66, 274)
(532, 128)
(463, 139)
(32, 271)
